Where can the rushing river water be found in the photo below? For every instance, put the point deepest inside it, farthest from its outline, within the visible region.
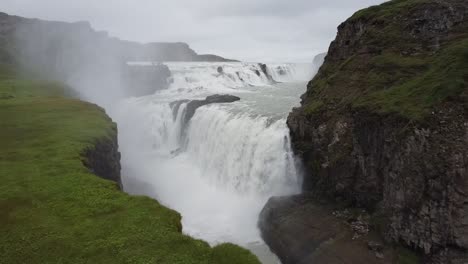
(218, 170)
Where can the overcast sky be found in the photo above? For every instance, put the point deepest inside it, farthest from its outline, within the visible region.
(249, 30)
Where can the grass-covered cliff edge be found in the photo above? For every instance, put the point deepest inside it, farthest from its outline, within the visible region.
(383, 127)
(53, 209)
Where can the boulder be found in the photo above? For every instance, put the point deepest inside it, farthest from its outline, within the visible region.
(302, 230)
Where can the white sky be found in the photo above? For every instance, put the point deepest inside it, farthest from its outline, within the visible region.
(249, 30)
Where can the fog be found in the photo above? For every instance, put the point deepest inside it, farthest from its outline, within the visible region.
(219, 168)
(262, 30)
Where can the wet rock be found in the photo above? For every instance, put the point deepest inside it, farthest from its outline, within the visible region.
(239, 76)
(375, 246)
(360, 228)
(103, 159)
(193, 105)
(301, 230)
(264, 69)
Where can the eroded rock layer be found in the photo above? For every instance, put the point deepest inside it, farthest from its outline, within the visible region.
(384, 124)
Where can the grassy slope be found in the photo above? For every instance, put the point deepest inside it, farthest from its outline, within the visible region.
(410, 85)
(53, 210)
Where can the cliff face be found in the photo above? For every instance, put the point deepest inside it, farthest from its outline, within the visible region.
(384, 124)
(75, 52)
(53, 37)
(103, 158)
(54, 209)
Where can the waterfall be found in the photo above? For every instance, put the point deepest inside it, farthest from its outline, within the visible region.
(243, 153)
(292, 72)
(222, 77)
(220, 168)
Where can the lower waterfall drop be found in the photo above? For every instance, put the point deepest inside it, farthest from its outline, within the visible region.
(219, 169)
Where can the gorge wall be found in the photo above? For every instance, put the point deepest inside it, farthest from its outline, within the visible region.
(384, 127)
(76, 54)
(103, 158)
(53, 37)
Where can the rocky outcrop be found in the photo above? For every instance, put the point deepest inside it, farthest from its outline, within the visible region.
(103, 158)
(413, 176)
(193, 105)
(264, 69)
(384, 126)
(146, 79)
(302, 230)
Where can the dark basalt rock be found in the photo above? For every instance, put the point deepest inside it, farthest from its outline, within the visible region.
(193, 105)
(410, 173)
(264, 69)
(103, 159)
(301, 230)
(414, 175)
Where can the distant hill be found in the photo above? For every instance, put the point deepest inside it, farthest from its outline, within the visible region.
(67, 47)
(74, 53)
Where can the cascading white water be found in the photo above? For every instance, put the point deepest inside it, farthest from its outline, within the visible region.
(292, 72)
(219, 169)
(247, 154)
(223, 77)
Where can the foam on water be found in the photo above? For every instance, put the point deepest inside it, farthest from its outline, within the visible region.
(218, 170)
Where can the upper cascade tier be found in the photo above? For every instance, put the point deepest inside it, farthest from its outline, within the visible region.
(205, 77)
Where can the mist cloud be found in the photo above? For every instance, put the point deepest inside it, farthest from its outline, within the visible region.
(260, 30)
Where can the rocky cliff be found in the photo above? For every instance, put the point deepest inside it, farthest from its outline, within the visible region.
(54, 36)
(383, 126)
(76, 53)
(103, 158)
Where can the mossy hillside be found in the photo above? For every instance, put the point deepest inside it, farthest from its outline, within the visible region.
(400, 73)
(53, 210)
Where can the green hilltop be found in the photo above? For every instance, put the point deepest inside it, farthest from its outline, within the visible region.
(391, 66)
(54, 210)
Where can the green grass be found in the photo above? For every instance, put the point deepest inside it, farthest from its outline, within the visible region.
(53, 210)
(415, 97)
(404, 77)
(388, 9)
(314, 106)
